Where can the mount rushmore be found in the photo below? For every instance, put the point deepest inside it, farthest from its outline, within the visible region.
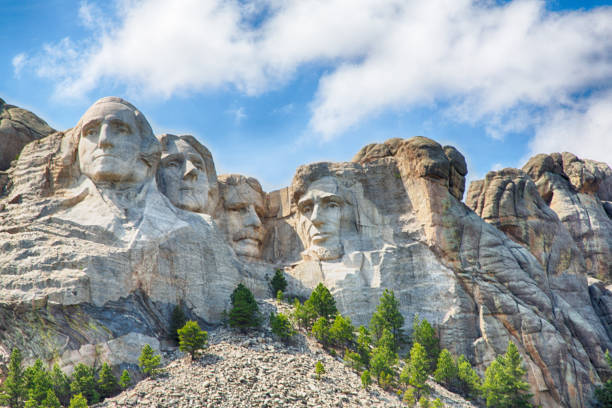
(105, 227)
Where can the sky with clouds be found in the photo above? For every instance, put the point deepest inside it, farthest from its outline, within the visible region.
(268, 85)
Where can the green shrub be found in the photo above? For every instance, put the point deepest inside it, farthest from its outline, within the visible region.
(148, 361)
(50, 400)
(424, 402)
(244, 313)
(353, 360)
(366, 379)
(447, 372)
(469, 381)
(280, 296)
(319, 369)
(192, 338)
(281, 326)
(437, 403)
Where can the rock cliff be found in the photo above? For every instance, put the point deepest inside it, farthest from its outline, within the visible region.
(94, 256)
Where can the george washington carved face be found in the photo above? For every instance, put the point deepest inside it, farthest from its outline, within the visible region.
(116, 144)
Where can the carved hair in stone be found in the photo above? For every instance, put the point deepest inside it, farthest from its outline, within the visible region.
(327, 213)
(239, 216)
(186, 174)
(116, 146)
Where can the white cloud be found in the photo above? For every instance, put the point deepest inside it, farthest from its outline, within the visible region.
(584, 129)
(19, 61)
(238, 114)
(507, 66)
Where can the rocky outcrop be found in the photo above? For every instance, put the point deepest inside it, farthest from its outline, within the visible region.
(578, 191)
(18, 127)
(94, 256)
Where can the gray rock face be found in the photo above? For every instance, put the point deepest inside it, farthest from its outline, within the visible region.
(83, 237)
(18, 127)
(93, 256)
(578, 191)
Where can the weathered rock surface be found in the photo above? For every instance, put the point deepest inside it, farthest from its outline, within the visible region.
(408, 231)
(18, 127)
(92, 262)
(579, 192)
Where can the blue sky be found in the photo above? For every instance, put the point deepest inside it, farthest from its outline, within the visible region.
(268, 85)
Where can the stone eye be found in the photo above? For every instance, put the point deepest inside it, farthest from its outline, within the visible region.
(172, 164)
(90, 131)
(121, 128)
(307, 209)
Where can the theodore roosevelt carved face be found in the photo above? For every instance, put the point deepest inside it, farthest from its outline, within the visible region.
(116, 144)
(320, 218)
(186, 174)
(243, 208)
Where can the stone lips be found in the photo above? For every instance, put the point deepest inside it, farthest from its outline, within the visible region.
(87, 270)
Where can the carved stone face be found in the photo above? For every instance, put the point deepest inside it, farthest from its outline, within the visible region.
(320, 219)
(244, 207)
(110, 143)
(182, 176)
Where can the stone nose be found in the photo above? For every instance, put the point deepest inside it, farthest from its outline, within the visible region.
(316, 217)
(190, 172)
(105, 136)
(251, 218)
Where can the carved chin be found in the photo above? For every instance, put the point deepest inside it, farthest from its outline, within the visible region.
(247, 248)
(319, 253)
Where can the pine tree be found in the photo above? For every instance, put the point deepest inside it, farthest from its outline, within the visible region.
(366, 379)
(278, 282)
(281, 326)
(61, 385)
(304, 314)
(364, 342)
(149, 361)
(84, 383)
(37, 381)
(13, 391)
(319, 369)
(353, 360)
(125, 381)
(244, 313)
(177, 320)
(447, 372)
(383, 357)
(323, 302)
(320, 330)
(387, 316)
(51, 400)
(604, 393)
(469, 381)
(192, 338)
(107, 383)
(503, 386)
(415, 371)
(78, 401)
(426, 336)
(341, 332)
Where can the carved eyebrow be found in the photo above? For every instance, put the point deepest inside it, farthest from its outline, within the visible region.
(332, 198)
(90, 124)
(119, 122)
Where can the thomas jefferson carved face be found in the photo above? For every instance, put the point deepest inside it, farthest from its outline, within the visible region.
(321, 209)
(110, 144)
(183, 174)
(243, 203)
